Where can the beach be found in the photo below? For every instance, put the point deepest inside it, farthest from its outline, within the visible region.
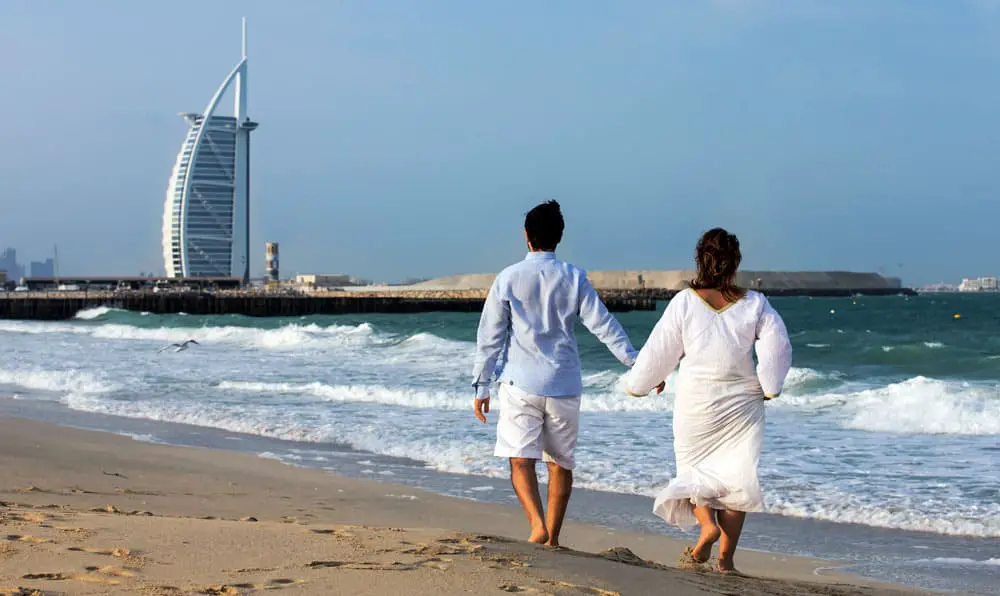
(86, 512)
(880, 456)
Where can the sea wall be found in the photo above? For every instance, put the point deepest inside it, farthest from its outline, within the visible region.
(65, 305)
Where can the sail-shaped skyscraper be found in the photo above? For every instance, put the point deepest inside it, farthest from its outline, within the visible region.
(206, 217)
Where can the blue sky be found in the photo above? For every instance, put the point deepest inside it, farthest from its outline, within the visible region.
(405, 138)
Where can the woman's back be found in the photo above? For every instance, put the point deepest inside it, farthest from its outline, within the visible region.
(718, 342)
(715, 346)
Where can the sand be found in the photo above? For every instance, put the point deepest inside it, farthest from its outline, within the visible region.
(92, 513)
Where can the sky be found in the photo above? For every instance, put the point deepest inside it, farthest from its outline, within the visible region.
(407, 139)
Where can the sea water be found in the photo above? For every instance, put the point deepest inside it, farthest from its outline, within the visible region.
(886, 437)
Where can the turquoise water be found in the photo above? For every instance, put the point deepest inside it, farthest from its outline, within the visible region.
(890, 418)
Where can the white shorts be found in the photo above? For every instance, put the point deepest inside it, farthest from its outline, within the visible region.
(536, 427)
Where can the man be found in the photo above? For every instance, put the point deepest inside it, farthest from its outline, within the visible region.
(529, 321)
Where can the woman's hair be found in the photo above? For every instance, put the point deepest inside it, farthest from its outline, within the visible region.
(718, 257)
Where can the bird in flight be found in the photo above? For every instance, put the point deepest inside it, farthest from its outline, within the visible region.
(181, 346)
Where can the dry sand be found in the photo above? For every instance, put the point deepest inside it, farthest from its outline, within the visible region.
(92, 513)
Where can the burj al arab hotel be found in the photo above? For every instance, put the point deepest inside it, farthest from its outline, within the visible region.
(206, 218)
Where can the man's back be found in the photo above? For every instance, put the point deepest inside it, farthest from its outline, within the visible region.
(530, 318)
(528, 325)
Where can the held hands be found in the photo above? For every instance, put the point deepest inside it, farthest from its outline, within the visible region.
(659, 389)
(482, 408)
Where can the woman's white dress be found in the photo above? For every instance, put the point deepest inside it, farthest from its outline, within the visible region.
(719, 407)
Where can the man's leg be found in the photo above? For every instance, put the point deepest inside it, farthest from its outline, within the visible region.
(519, 433)
(525, 481)
(559, 434)
(560, 488)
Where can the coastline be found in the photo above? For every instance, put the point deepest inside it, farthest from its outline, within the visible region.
(56, 477)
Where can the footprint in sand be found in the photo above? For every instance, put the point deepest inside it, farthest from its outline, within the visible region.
(26, 538)
(108, 552)
(221, 590)
(517, 588)
(443, 549)
(585, 589)
(332, 532)
(394, 566)
(47, 576)
(108, 570)
(19, 591)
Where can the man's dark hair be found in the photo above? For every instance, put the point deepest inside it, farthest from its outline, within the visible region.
(544, 225)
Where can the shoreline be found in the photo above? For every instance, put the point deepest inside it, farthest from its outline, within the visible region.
(69, 472)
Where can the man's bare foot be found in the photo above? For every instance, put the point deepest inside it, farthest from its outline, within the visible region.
(703, 550)
(552, 543)
(539, 535)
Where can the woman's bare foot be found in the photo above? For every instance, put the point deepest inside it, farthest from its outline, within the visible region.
(703, 550)
(539, 535)
(726, 564)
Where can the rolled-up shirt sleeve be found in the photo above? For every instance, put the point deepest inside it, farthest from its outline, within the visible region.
(491, 339)
(660, 355)
(774, 351)
(605, 327)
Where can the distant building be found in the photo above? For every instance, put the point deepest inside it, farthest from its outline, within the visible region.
(46, 268)
(8, 262)
(315, 280)
(978, 284)
(206, 215)
(271, 262)
(3, 277)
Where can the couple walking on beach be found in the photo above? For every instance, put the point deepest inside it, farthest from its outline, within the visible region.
(526, 342)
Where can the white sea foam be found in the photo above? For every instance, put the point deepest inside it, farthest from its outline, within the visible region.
(918, 405)
(58, 381)
(982, 523)
(286, 337)
(89, 314)
(959, 561)
(142, 438)
(440, 400)
(933, 344)
(925, 406)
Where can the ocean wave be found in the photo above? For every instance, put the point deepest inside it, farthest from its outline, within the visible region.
(440, 400)
(918, 405)
(983, 523)
(285, 337)
(58, 381)
(90, 314)
(926, 406)
(958, 561)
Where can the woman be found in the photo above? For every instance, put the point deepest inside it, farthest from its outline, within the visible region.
(711, 329)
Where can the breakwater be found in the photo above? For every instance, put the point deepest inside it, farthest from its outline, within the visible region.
(65, 305)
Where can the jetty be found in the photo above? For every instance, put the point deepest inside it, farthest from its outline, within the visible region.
(61, 305)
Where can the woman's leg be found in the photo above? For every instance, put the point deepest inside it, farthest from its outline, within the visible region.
(731, 523)
(709, 533)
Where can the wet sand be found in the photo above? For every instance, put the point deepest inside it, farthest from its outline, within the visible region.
(84, 512)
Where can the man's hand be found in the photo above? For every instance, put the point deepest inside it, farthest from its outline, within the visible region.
(482, 408)
(659, 388)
